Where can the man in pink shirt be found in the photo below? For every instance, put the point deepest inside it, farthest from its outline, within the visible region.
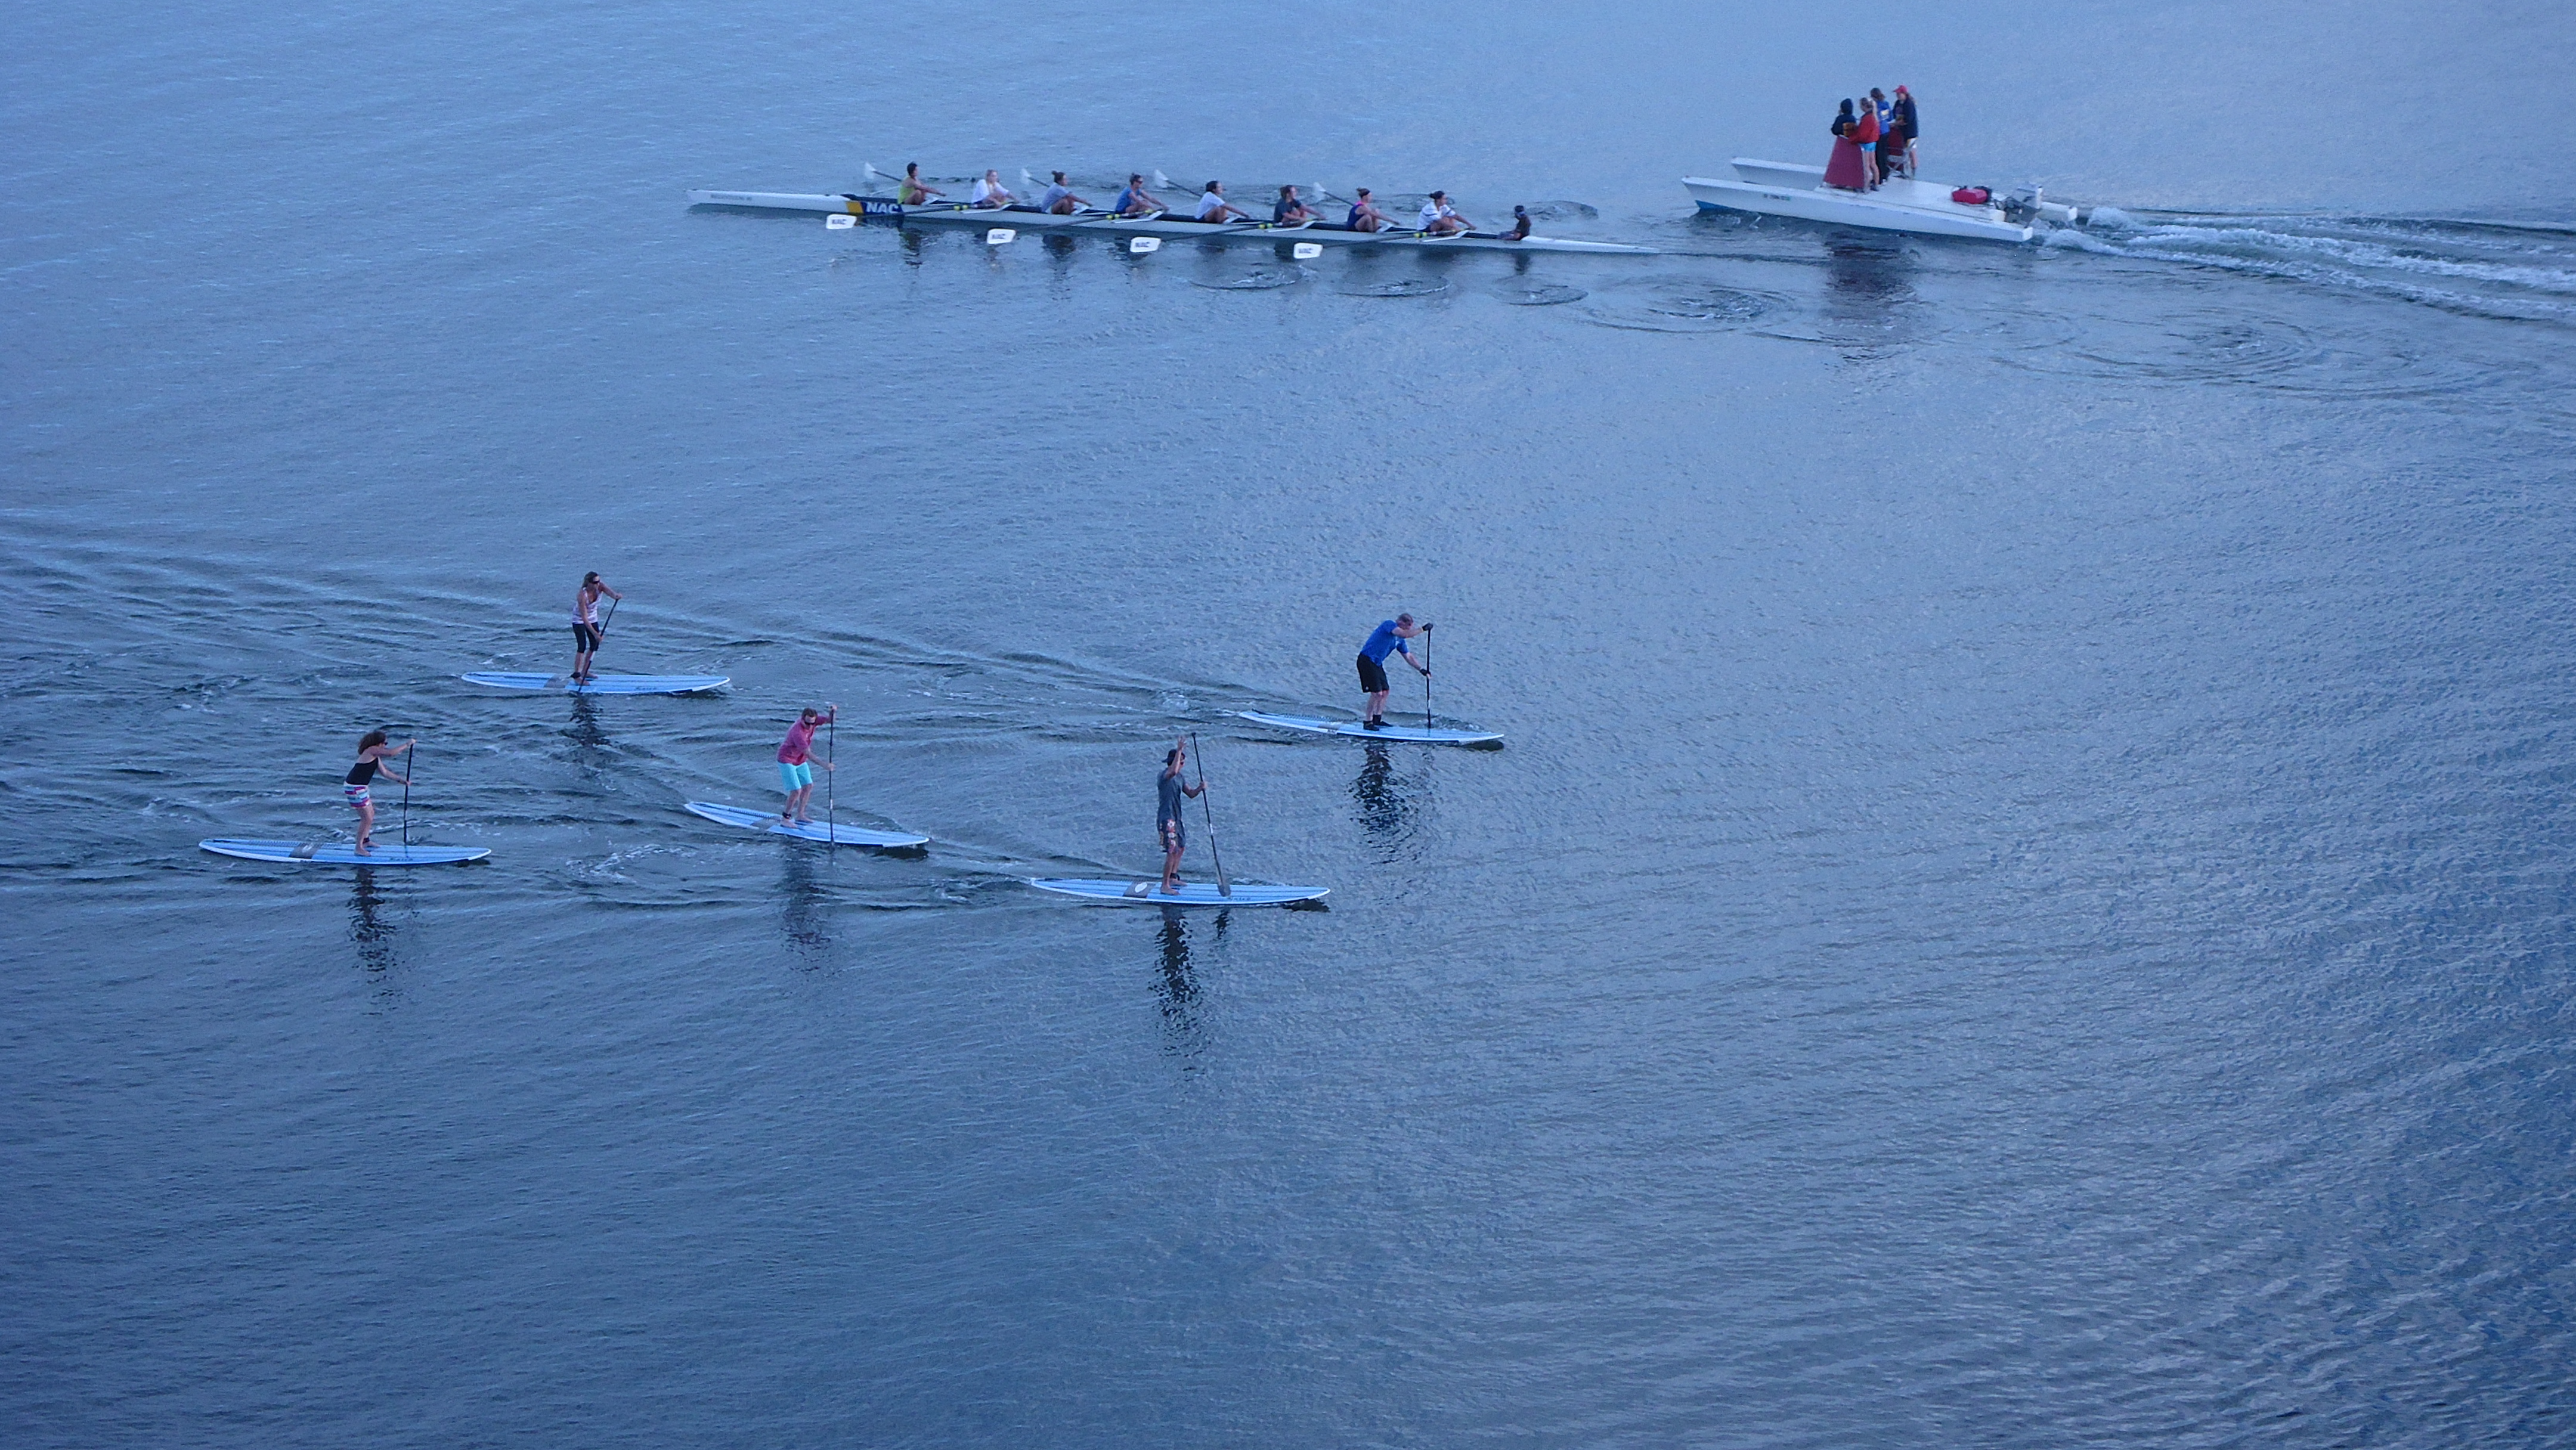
(796, 762)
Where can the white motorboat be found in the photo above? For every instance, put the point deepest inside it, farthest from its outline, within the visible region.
(1022, 218)
(1901, 204)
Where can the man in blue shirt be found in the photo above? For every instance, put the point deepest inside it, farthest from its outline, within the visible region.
(1390, 635)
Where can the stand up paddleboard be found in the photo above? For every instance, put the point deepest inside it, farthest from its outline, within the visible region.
(1390, 731)
(340, 853)
(599, 684)
(1192, 893)
(816, 833)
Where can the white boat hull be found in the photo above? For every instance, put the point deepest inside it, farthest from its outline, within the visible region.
(1029, 219)
(1923, 208)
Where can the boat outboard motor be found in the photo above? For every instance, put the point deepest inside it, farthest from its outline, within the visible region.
(2021, 205)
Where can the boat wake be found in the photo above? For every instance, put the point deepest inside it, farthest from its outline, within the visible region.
(2480, 269)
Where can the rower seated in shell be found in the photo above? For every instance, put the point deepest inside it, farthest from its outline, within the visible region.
(1440, 219)
(1520, 225)
(1290, 210)
(1059, 199)
(1213, 207)
(990, 193)
(1134, 200)
(912, 190)
(1364, 217)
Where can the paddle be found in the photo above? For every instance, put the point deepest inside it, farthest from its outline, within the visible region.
(411, 768)
(1426, 677)
(603, 631)
(1223, 886)
(831, 757)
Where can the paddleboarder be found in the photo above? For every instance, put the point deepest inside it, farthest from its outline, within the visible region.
(373, 752)
(1169, 827)
(796, 762)
(586, 628)
(1389, 636)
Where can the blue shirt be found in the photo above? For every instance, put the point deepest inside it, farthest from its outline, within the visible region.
(1383, 640)
(1127, 197)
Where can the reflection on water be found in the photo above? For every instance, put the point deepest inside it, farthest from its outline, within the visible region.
(1869, 295)
(368, 930)
(801, 915)
(591, 747)
(1177, 990)
(1387, 803)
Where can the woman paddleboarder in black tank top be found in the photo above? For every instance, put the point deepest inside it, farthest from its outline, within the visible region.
(373, 752)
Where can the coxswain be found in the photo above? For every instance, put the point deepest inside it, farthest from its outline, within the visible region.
(1134, 200)
(1364, 217)
(990, 193)
(1389, 636)
(1213, 207)
(1520, 225)
(1440, 219)
(1289, 211)
(1059, 199)
(910, 191)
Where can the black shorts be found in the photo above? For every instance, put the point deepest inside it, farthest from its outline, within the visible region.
(585, 638)
(1372, 676)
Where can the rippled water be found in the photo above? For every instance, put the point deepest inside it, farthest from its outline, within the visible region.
(2025, 900)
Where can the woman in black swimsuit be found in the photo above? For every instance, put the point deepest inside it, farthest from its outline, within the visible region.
(373, 752)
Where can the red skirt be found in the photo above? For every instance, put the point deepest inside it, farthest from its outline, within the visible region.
(1845, 169)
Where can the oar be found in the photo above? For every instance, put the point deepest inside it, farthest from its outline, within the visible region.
(1223, 886)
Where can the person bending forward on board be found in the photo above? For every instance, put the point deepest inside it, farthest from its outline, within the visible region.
(1135, 200)
(1439, 218)
(587, 631)
(373, 752)
(1213, 207)
(796, 763)
(1390, 635)
(990, 193)
(1168, 825)
(1059, 199)
(1364, 217)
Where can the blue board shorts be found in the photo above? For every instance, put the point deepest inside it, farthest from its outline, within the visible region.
(794, 777)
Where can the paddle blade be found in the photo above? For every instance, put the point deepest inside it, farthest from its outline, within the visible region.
(1026, 179)
(1306, 251)
(1139, 246)
(1161, 182)
(841, 223)
(999, 237)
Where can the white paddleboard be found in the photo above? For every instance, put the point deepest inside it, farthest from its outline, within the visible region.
(600, 684)
(342, 853)
(1192, 893)
(846, 835)
(1391, 730)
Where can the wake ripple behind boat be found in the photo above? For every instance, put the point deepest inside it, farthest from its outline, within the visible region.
(1032, 219)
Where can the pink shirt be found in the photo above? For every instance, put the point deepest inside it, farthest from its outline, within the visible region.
(798, 744)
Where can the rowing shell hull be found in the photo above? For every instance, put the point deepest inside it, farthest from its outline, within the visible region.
(767, 822)
(599, 685)
(1192, 893)
(1392, 731)
(338, 853)
(1028, 219)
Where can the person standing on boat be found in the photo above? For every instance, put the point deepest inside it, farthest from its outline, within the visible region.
(910, 191)
(1213, 207)
(587, 631)
(1364, 217)
(1289, 210)
(1135, 200)
(1909, 125)
(373, 752)
(1843, 172)
(1866, 134)
(1059, 199)
(796, 762)
(1390, 635)
(1440, 219)
(1889, 148)
(1170, 828)
(990, 192)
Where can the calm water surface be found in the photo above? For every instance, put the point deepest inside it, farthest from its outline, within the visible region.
(2027, 901)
